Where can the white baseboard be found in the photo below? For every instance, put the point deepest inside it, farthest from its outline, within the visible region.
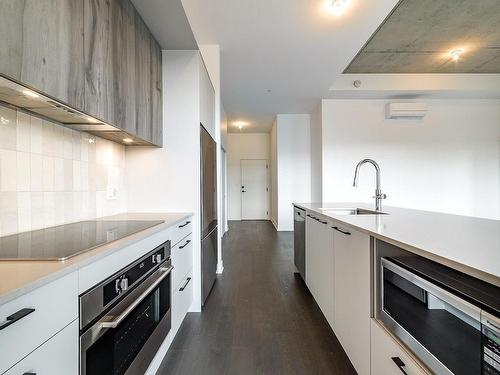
(220, 268)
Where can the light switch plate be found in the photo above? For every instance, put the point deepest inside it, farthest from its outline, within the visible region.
(111, 192)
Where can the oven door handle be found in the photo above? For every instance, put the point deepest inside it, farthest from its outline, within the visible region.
(115, 322)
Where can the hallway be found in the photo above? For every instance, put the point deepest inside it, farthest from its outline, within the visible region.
(259, 318)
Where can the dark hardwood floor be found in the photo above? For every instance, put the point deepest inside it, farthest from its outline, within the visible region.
(259, 318)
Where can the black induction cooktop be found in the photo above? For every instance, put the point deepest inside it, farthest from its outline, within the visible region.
(65, 241)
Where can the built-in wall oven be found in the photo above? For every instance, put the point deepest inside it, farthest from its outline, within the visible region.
(449, 320)
(124, 319)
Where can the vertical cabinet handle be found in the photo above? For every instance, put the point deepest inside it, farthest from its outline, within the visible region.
(183, 225)
(185, 285)
(400, 364)
(11, 319)
(183, 246)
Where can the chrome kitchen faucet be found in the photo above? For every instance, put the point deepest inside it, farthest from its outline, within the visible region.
(378, 193)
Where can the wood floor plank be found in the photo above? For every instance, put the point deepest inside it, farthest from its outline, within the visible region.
(260, 318)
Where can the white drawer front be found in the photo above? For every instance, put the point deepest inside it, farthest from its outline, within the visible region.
(181, 301)
(55, 304)
(58, 356)
(383, 349)
(182, 259)
(181, 230)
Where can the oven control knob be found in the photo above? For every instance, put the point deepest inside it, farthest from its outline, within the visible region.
(158, 258)
(124, 284)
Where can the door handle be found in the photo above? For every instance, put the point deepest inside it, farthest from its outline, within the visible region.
(11, 319)
(400, 364)
(341, 231)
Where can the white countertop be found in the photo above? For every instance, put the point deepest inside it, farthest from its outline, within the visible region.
(466, 243)
(20, 277)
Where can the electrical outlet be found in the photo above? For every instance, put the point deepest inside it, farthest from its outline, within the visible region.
(111, 193)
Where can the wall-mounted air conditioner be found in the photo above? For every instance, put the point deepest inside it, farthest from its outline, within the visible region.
(406, 110)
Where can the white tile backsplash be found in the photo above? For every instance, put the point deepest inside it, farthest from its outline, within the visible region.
(51, 175)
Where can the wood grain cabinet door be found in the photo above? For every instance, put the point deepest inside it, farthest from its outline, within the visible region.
(156, 93)
(109, 51)
(42, 46)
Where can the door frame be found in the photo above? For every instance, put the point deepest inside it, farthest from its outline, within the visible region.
(267, 187)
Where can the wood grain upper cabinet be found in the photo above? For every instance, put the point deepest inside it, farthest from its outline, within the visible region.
(42, 46)
(352, 307)
(156, 93)
(109, 50)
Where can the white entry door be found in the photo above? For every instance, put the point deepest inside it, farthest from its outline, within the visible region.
(254, 203)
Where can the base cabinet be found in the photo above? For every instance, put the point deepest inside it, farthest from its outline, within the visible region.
(352, 294)
(57, 356)
(384, 348)
(320, 264)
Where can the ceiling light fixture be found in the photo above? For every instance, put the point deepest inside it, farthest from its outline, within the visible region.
(455, 54)
(128, 140)
(30, 93)
(240, 124)
(338, 6)
(91, 140)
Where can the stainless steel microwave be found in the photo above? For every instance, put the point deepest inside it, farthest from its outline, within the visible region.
(449, 320)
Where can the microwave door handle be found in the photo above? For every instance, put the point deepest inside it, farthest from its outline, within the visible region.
(401, 365)
(115, 322)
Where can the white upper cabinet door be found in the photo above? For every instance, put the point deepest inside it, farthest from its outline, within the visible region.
(207, 102)
(352, 294)
(384, 349)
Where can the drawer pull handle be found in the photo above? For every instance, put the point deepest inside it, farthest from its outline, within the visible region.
(183, 225)
(342, 231)
(400, 364)
(11, 319)
(185, 285)
(183, 246)
(29, 373)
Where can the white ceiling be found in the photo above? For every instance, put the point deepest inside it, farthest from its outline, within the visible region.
(294, 48)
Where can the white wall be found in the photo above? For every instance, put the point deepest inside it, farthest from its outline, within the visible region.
(274, 174)
(448, 162)
(168, 179)
(316, 155)
(293, 165)
(242, 146)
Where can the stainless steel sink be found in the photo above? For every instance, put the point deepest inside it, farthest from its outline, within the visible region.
(350, 211)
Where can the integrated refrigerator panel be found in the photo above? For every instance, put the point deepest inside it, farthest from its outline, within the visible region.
(208, 183)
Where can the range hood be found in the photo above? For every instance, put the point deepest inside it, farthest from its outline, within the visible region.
(28, 99)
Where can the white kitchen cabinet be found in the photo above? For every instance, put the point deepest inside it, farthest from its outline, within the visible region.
(181, 301)
(181, 230)
(384, 348)
(207, 101)
(55, 306)
(320, 264)
(57, 356)
(182, 260)
(352, 294)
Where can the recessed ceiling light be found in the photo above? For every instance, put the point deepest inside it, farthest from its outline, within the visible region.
(455, 54)
(240, 124)
(30, 93)
(338, 6)
(128, 140)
